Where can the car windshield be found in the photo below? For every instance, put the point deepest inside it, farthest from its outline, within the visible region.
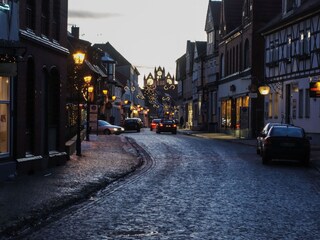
(103, 123)
(286, 132)
(167, 121)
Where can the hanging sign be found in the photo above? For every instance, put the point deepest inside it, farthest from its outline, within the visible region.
(314, 89)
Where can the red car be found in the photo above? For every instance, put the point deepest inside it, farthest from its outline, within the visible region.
(154, 124)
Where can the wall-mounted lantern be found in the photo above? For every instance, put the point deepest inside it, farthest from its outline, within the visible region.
(264, 90)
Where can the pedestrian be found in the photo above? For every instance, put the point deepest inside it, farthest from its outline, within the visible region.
(181, 121)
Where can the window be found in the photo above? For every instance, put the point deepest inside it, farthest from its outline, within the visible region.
(290, 5)
(289, 48)
(30, 14)
(300, 103)
(275, 56)
(45, 18)
(307, 103)
(222, 70)
(246, 54)
(56, 20)
(4, 114)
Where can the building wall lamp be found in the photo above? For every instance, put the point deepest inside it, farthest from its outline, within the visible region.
(264, 90)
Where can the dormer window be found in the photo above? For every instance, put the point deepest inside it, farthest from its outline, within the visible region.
(290, 5)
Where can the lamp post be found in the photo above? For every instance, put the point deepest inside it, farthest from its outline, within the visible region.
(78, 58)
(87, 80)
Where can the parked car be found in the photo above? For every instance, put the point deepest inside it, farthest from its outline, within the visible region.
(132, 124)
(166, 125)
(154, 123)
(286, 142)
(264, 132)
(107, 128)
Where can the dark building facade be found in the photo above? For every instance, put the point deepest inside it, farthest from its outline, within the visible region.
(39, 92)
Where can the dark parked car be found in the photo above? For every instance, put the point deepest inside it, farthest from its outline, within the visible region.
(132, 124)
(154, 123)
(166, 125)
(286, 142)
(264, 132)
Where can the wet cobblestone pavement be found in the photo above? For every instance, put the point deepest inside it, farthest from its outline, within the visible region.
(198, 189)
(28, 199)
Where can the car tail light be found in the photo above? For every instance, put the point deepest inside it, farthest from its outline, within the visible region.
(161, 125)
(174, 125)
(267, 141)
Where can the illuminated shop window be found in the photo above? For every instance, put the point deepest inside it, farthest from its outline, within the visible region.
(4, 115)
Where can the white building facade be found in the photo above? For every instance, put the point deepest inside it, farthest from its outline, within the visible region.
(292, 65)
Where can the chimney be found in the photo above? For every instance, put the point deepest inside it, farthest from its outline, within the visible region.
(75, 31)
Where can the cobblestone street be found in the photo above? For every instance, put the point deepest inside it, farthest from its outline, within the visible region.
(199, 189)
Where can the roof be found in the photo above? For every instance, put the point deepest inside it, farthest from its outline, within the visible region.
(215, 7)
(201, 48)
(231, 14)
(114, 54)
(304, 11)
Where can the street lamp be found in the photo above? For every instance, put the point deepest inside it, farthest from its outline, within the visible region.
(78, 59)
(87, 80)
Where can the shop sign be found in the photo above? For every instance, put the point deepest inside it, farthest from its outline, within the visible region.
(315, 89)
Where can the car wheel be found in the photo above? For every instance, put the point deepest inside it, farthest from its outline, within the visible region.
(158, 132)
(150, 129)
(106, 132)
(306, 160)
(174, 132)
(138, 130)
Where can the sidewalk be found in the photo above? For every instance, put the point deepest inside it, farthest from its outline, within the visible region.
(26, 199)
(315, 146)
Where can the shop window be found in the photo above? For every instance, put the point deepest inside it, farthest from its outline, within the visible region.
(226, 114)
(4, 115)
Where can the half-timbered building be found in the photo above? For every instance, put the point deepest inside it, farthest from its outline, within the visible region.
(292, 60)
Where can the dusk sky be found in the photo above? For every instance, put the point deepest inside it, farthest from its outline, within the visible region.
(148, 33)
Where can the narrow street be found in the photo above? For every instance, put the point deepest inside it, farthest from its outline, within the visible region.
(193, 188)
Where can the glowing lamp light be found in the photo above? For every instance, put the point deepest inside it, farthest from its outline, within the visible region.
(78, 58)
(264, 90)
(105, 91)
(114, 98)
(126, 102)
(87, 79)
(90, 89)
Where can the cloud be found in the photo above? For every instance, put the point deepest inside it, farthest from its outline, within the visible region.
(91, 15)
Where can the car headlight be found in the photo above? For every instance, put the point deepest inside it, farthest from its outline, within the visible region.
(115, 129)
(122, 129)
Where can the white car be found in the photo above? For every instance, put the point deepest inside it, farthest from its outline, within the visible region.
(107, 128)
